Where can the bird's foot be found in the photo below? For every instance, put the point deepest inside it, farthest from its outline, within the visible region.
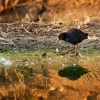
(76, 54)
(63, 54)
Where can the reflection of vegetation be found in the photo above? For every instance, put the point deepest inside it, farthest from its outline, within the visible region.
(27, 72)
(73, 72)
(10, 76)
(33, 73)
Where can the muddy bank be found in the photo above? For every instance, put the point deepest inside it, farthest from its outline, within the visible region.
(24, 36)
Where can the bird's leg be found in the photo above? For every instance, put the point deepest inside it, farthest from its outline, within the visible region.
(68, 50)
(76, 53)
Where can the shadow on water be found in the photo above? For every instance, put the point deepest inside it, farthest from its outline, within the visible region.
(73, 72)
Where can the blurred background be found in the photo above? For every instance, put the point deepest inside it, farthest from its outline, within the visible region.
(48, 10)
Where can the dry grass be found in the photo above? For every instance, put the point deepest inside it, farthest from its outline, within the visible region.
(49, 10)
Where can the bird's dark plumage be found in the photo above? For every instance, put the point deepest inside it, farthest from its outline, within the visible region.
(73, 36)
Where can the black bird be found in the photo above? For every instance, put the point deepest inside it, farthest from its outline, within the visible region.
(73, 36)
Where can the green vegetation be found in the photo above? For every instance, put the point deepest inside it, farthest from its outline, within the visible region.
(50, 52)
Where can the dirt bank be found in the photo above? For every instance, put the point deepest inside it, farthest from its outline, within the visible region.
(23, 35)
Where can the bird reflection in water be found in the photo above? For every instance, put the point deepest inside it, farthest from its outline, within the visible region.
(73, 70)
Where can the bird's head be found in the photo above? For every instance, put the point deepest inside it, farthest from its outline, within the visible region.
(62, 36)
